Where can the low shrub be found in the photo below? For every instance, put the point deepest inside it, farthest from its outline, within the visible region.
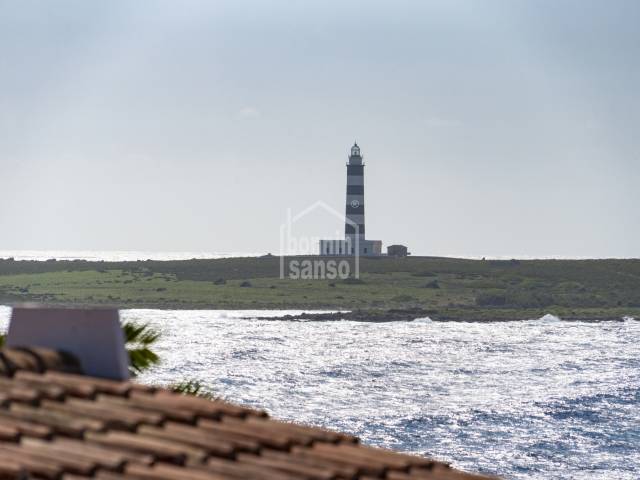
(491, 299)
(432, 284)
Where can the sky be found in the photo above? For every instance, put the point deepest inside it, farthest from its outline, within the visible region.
(488, 128)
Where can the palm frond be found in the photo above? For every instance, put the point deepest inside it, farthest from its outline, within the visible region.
(140, 333)
(139, 338)
(193, 387)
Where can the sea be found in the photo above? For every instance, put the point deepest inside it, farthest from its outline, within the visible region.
(116, 256)
(540, 398)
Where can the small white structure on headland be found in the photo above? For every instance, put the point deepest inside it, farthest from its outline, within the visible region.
(354, 228)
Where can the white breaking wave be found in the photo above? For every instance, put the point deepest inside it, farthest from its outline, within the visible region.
(422, 320)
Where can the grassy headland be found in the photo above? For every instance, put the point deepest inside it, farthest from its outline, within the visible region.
(443, 288)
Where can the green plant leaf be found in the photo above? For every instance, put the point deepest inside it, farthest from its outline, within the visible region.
(139, 340)
(192, 387)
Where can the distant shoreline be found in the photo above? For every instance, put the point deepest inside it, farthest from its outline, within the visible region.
(364, 316)
(160, 256)
(389, 288)
(409, 315)
(116, 255)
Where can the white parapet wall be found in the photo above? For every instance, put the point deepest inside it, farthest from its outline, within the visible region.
(93, 336)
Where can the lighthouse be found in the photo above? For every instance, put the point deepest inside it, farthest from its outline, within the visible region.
(354, 214)
(354, 242)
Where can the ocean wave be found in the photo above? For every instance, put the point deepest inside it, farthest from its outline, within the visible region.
(422, 320)
(553, 399)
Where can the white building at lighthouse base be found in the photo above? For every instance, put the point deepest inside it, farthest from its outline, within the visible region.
(351, 246)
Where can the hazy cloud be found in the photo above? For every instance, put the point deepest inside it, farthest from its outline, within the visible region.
(248, 112)
(440, 122)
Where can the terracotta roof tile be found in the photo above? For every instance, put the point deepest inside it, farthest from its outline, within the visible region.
(284, 465)
(45, 390)
(36, 360)
(26, 428)
(245, 431)
(9, 433)
(33, 465)
(204, 407)
(210, 444)
(342, 471)
(82, 390)
(10, 469)
(170, 472)
(68, 462)
(99, 385)
(55, 424)
(61, 422)
(129, 456)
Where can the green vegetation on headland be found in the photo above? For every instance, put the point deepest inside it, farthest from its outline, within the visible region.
(388, 288)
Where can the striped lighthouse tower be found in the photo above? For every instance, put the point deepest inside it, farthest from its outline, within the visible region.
(354, 242)
(354, 223)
